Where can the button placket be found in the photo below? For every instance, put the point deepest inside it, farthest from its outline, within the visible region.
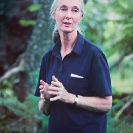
(60, 71)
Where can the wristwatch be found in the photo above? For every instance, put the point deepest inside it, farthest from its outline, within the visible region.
(76, 99)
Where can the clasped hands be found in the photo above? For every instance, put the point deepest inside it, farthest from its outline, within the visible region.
(55, 89)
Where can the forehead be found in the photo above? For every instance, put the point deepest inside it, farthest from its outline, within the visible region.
(69, 3)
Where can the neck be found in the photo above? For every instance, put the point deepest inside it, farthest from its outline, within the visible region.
(67, 41)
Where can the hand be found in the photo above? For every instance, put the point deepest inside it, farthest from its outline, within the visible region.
(44, 90)
(58, 89)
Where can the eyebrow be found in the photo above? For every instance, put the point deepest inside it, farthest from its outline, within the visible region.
(76, 7)
(63, 6)
(66, 6)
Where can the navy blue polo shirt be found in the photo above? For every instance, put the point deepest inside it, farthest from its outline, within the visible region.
(90, 66)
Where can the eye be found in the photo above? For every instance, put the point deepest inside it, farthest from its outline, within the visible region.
(75, 10)
(63, 9)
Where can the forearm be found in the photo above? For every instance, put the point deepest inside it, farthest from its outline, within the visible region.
(99, 104)
(96, 104)
(44, 106)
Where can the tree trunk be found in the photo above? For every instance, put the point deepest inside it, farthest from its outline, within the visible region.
(40, 41)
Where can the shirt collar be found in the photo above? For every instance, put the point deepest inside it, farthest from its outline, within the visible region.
(77, 47)
(56, 49)
(79, 44)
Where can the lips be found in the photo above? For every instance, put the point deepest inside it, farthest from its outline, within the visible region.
(67, 23)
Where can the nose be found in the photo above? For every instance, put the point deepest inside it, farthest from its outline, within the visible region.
(68, 15)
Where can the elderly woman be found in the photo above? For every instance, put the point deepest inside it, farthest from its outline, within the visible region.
(74, 81)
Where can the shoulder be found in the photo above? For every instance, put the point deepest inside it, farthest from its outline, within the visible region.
(93, 50)
(46, 56)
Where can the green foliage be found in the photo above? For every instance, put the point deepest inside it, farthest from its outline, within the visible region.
(110, 25)
(26, 23)
(124, 125)
(122, 78)
(16, 116)
(34, 75)
(123, 36)
(34, 7)
(121, 125)
(31, 8)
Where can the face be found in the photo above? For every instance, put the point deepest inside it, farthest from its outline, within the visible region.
(67, 15)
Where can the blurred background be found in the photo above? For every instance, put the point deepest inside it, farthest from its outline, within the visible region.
(25, 35)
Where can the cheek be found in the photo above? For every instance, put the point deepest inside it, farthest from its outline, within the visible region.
(59, 19)
(59, 16)
(76, 21)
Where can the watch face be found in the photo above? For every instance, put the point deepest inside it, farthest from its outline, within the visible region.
(76, 99)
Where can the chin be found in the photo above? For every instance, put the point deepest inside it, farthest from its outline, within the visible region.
(67, 30)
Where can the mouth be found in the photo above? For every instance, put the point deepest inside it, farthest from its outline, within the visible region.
(66, 23)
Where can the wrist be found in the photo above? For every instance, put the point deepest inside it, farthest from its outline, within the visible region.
(70, 98)
(76, 99)
(45, 100)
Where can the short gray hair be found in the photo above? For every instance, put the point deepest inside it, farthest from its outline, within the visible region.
(54, 5)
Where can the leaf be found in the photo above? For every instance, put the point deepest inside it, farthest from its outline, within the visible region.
(126, 4)
(35, 73)
(34, 7)
(2, 117)
(130, 25)
(26, 23)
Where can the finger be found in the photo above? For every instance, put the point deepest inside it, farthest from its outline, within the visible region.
(41, 86)
(56, 83)
(41, 96)
(55, 98)
(54, 78)
(41, 91)
(54, 88)
(53, 92)
(42, 82)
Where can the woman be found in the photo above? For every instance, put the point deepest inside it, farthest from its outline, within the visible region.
(74, 79)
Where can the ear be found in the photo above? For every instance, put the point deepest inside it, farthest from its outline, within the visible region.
(53, 16)
(80, 18)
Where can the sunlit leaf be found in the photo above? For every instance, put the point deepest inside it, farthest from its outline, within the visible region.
(127, 4)
(26, 23)
(34, 7)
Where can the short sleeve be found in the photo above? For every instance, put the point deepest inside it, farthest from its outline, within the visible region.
(100, 83)
(42, 76)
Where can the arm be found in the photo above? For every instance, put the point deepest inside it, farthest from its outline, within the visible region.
(44, 106)
(44, 103)
(97, 104)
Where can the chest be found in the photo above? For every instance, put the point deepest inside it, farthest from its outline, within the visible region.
(72, 72)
